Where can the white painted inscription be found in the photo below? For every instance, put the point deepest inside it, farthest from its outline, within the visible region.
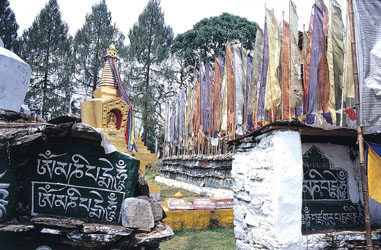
(71, 200)
(3, 196)
(80, 168)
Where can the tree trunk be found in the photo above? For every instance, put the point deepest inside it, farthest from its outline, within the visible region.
(45, 81)
(146, 88)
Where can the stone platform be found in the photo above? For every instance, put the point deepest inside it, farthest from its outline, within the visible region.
(206, 217)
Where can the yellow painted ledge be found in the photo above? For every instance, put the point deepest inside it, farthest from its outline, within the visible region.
(198, 219)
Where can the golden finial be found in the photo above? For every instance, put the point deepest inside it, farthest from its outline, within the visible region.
(111, 51)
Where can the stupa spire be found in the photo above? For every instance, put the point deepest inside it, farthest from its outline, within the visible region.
(107, 78)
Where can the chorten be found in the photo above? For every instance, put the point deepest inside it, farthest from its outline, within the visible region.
(108, 112)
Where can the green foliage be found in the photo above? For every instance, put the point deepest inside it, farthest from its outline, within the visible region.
(8, 25)
(151, 73)
(207, 39)
(90, 44)
(46, 47)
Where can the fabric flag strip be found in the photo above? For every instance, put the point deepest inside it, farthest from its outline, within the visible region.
(335, 58)
(349, 86)
(230, 92)
(296, 88)
(206, 98)
(323, 78)
(263, 78)
(239, 93)
(374, 171)
(273, 91)
(249, 68)
(307, 63)
(130, 126)
(255, 78)
(316, 45)
(182, 114)
(224, 98)
(286, 73)
(218, 75)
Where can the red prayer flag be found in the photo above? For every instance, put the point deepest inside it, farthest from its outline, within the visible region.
(351, 113)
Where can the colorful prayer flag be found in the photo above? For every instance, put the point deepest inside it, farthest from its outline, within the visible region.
(374, 171)
(296, 88)
(273, 91)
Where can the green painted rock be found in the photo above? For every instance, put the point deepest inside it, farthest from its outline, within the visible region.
(8, 188)
(74, 178)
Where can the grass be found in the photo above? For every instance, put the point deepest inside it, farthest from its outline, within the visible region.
(211, 238)
(169, 192)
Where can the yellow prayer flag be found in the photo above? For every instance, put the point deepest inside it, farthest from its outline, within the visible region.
(374, 175)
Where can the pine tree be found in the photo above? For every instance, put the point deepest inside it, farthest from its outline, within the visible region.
(46, 46)
(90, 44)
(8, 25)
(150, 41)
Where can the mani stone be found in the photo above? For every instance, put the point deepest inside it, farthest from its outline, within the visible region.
(137, 213)
(14, 80)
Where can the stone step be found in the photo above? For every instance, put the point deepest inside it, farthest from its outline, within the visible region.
(145, 156)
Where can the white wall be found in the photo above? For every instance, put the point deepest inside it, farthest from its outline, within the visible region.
(267, 193)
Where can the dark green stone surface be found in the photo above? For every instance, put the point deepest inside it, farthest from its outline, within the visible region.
(326, 201)
(74, 178)
(8, 187)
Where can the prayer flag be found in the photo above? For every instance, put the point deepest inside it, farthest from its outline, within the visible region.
(224, 98)
(239, 93)
(263, 78)
(374, 171)
(230, 92)
(323, 77)
(335, 54)
(307, 63)
(349, 86)
(295, 84)
(316, 51)
(273, 91)
(252, 105)
(352, 114)
(286, 73)
(218, 76)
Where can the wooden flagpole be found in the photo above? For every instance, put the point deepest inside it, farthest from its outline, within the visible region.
(360, 138)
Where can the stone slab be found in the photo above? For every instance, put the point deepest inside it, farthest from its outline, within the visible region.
(224, 203)
(203, 204)
(179, 204)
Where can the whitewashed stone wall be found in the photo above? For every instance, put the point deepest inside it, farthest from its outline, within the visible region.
(268, 180)
(267, 193)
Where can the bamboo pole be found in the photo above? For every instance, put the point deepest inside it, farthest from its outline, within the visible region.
(360, 138)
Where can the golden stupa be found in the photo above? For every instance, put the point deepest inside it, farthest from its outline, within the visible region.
(108, 112)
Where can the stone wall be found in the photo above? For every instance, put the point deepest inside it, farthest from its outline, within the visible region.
(200, 170)
(292, 193)
(268, 177)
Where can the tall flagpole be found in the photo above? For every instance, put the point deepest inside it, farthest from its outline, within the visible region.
(360, 138)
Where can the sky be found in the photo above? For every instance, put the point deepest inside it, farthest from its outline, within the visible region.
(181, 15)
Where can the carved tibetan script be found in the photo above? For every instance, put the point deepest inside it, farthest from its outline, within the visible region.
(326, 201)
(77, 179)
